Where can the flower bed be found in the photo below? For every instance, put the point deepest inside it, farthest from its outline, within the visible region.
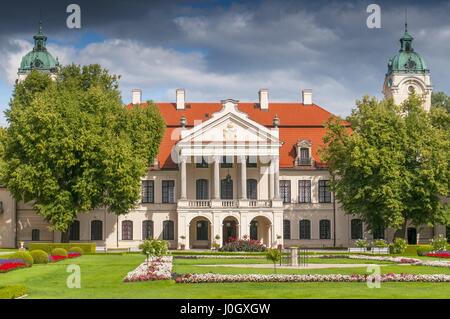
(401, 260)
(222, 278)
(55, 259)
(218, 257)
(439, 254)
(245, 244)
(73, 255)
(11, 264)
(157, 268)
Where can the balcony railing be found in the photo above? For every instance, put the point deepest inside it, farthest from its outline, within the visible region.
(259, 203)
(200, 203)
(228, 203)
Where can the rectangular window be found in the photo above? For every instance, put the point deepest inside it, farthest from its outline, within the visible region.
(35, 235)
(200, 162)
(286, 229)
(148, 192)
(304, 191)
(251, 161)
(168, 192)
(285, 191)
(305, 229)
(324, 191)
(227, 162)
(305, 158)
(325, 229)
(168, 230)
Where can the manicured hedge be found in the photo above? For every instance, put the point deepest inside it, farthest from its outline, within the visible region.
(39, 256)
(88, 248)
(12, 292)
(24, 255)
(411, 250)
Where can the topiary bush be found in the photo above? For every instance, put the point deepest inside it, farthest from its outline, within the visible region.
(77, 250)
(88, 248)
(59, 252)
(24, 255)
(39, 256)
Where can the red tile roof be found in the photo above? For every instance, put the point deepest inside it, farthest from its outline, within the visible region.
(297, 122)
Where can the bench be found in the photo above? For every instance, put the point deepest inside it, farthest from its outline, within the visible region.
(381, 251)
(357, 250)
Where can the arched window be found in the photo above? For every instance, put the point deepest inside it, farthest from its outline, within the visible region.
(147, 229)
(305, 229)
(168, 230)
(96, 230)
(35, 235)
(127, 230)
(325, 229)
(226, 188)
(252, 189)
(202, 189)
(74, 231)
(286, 229)
(356, 229)
(202, 230)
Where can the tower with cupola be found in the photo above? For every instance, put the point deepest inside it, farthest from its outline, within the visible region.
(408, 74)
(39, 58)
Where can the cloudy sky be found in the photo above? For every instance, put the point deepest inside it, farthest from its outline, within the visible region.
(231, 49)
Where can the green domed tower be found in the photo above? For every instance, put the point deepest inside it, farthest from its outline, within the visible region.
(39, 58)
(407, 74)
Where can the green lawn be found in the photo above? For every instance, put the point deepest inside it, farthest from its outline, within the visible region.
(101, 277)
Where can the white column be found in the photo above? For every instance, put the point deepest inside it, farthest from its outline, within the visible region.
(243, 177)
(277, 177)
(183, 177)
(216, 177)
(271, 179)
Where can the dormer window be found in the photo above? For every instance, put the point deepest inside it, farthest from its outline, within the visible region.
(304, 153)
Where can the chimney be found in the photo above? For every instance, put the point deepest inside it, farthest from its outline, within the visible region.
(264, 99)
(136, 96)
(180, 99)
(307, 97)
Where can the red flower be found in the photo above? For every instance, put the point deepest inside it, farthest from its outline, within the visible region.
(57, 258)
(74, 255)
(11, 266)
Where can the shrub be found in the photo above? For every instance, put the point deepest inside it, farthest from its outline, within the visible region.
(361, 243)
(380, 243)
(77, 250)
(12, 292)
(245, 244)
(398, 246)
(274, 255)
(88, 248)
(24, 255)
(39, 256)
(154, 248)
(439, 244)
(59, 252)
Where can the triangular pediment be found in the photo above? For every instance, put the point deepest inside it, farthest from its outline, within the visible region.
(229, 126)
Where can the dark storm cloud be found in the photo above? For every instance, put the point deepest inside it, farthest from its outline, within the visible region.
(219, 49)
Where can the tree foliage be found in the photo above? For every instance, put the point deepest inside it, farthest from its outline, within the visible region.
(393, 166)
(71, 146)
(440, 100)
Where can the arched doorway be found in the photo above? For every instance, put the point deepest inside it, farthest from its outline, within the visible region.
(412, 236)
(229, 229)
(261, 230)
(200, 233)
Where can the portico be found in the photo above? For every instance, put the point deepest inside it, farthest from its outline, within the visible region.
(238, 159)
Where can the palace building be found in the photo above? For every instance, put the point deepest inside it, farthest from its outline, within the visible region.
(229, 169)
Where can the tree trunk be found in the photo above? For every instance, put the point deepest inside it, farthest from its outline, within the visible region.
(65, 237)
(405, 230)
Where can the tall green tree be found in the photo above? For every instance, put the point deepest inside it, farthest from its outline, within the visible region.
(71, 146)
(440, 100)
(393, 166)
